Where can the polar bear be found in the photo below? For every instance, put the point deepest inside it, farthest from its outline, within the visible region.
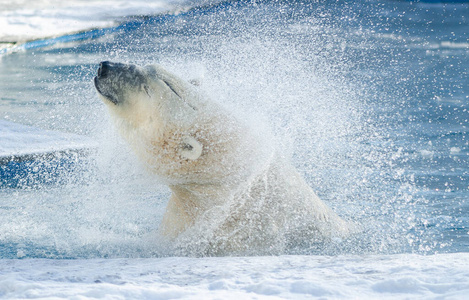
(232, 193)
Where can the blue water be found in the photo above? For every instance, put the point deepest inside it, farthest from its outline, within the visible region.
(370, 99)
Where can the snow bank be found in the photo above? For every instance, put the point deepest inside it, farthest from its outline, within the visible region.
(19, 140)
(287, 277)
(26, 20)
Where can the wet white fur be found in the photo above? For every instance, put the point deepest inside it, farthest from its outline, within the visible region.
(231, 192)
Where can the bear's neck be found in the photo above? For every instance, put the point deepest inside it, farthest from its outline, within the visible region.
(198, 198)
(188, 203)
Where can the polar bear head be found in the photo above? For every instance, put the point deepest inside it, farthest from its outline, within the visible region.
(180, 135)
(146, 98)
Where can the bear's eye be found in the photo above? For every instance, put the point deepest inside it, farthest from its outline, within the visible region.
(147, 90)
(171, 87)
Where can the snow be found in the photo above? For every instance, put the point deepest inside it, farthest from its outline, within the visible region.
(273, 277)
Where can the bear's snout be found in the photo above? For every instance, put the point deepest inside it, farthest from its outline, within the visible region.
(106, 67)
(114, 78)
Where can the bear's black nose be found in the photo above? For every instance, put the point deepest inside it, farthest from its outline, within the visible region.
(104, 69)
(107, 67)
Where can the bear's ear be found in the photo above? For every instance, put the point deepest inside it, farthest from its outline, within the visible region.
(191, 148)
(196, 82)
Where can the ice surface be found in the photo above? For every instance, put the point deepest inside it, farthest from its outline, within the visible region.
(20, 140)
(443, 276)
